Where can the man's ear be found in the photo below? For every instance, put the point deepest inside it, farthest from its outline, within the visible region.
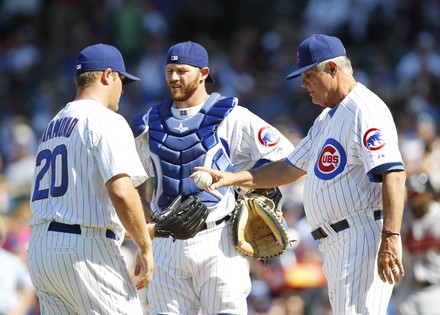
(205, 72)
(107, 75)
(333, 68)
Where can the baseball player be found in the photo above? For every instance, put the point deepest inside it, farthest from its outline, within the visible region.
(84, 197)
(205, 273)
(353, 194)
(418, 294)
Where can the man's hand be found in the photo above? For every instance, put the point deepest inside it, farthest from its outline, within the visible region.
(389, 260)
(144, 264)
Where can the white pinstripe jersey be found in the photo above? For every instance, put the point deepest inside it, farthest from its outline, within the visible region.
(244, 131)
(83, 147)
(344, 153)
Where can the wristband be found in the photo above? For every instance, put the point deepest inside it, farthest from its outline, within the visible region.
(389, 233)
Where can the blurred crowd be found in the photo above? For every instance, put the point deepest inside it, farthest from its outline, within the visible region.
(393, 45)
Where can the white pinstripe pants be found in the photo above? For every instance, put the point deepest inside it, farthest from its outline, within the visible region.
(80, 274)
(350, 266)
(203, 273)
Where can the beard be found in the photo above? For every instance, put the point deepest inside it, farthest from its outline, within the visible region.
(185, 91)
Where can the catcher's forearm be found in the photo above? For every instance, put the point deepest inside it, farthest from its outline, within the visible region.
(151, 230)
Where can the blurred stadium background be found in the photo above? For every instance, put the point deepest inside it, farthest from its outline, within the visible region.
(393, 45)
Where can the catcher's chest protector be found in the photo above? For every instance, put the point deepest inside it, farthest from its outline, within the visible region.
(183, 144)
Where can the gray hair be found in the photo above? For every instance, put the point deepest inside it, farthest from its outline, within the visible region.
(342, 62)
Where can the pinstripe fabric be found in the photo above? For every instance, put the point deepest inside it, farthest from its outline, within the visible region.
(80, 274)
(329, 199)
(197, 273)
(351, 270)
(100, 146)
(239, 132)
(83, 147)
(341, 167)
(207, 273)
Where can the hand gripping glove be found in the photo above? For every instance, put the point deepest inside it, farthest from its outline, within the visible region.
(257, 225)
(182, 219)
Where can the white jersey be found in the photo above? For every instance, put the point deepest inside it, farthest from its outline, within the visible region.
(344, 153)
(248, 140)
(84, 146)
(207, 272)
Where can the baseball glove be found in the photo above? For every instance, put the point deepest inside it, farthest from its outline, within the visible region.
(257, 226)
(182, 219)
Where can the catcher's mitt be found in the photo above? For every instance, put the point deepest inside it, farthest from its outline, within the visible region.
(257, 225)
(182, 219)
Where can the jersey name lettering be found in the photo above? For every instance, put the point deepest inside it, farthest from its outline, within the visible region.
(62, 127)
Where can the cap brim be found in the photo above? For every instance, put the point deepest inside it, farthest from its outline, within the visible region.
(298, 72)
(128, 78)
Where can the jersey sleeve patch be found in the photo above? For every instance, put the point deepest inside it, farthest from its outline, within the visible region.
(373, 139)
(268, 136)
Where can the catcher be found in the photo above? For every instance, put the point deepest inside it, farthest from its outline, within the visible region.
(203, 273)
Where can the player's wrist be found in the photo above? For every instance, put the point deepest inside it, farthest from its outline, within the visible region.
(387, 233)
(151, 229)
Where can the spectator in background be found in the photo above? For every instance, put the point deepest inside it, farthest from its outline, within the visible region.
(19, 232)
(38, 91)
(21, 161)
(418, 69)
(423, 58)
(16, 291)
(419, 292)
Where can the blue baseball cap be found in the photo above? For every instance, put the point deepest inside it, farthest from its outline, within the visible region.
(189, 53)
(100, 57)
(315, 49)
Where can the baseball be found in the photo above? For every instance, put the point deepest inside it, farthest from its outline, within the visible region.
(203, 179)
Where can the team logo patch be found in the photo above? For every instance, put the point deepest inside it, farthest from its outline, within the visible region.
(373, 139)
(331, 161)
(268, 136)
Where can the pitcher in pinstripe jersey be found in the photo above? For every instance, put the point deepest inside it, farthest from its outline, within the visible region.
(205, 273)
(84, 198)
(354, 189)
